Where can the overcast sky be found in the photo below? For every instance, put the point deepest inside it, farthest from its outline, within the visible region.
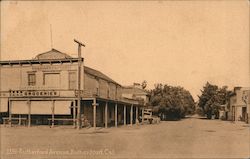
(182, 43)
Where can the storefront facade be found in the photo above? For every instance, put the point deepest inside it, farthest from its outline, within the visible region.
(44, 91)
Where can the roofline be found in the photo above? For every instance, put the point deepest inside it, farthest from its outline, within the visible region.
(48, 61)
(39, 61)
(68, 56)
(102, 78)
(110, 81)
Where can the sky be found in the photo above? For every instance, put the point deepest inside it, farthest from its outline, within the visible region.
(185, 43)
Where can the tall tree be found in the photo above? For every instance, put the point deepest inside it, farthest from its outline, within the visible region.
(173, 102)
(211, 98)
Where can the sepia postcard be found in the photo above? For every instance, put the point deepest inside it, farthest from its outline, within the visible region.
(125, 79)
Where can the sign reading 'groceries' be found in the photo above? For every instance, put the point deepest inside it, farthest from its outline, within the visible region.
(32, 93)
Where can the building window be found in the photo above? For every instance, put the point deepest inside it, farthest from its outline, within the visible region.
(97, 91)
(97, 86)
(108, 93)
(116, 92)
(51, 79)
(31, 79)
(72, 80)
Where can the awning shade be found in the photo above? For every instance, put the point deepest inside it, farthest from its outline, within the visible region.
(19, 107)
(41, 107)
(62, 107)
(3, 104)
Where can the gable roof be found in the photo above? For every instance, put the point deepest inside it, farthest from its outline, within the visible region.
(98, 74)
(134, 90)
(55, 54)
(52, 54)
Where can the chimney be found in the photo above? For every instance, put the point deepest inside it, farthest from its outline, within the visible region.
(137, 85)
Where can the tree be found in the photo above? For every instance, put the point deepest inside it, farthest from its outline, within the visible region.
(211, 98)
(173, 102)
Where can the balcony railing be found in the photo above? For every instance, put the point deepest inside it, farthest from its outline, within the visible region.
(60, 93)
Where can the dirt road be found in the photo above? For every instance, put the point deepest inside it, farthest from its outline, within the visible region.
(188, 138)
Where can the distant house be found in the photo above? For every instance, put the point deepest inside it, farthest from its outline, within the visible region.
(239, 104)
(136, 92)
(43, 90)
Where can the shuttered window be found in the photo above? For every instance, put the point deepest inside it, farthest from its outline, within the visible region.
(72, 80)
(31, 79)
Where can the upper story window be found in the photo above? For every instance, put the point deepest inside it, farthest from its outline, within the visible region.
(72, 80)
(51, 79)
(108, 93)
(97, 86)
(116, 92)
(97, 91)
(31, 79)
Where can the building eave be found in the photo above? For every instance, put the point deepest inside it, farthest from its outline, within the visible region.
(41, 61)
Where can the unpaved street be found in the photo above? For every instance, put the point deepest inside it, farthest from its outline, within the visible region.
(188, 138)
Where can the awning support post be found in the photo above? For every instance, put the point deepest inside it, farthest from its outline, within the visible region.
(106, 115)
(29, 114)
(124, 115)
(136, 115)
(53, 113)
(131, 115)
(94, 113)
(10, 115)
(115, 114)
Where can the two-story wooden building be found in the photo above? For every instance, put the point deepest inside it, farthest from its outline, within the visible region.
(43, 90)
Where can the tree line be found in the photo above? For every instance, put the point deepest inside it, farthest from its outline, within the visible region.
(175, 102)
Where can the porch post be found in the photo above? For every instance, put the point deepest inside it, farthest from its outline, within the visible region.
(53, 113)
(131, 115)
(74, 114)
(115, 114)
(248, 114)
(142, 115)
(94, 113)
(29, 116)
(124, 115)
(235, 118)
(106, 115)
(19, 119)
(136, 115)
(10, 109)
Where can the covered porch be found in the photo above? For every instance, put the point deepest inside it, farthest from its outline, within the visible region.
(94, 112)
(106, 113)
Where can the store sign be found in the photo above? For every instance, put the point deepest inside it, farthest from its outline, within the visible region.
(32, 93)
(50, 68)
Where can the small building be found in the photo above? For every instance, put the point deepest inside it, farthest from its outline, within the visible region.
(239, 104)
(44, 90)
(136, 92)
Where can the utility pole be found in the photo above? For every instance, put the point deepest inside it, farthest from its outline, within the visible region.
(79, 84)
